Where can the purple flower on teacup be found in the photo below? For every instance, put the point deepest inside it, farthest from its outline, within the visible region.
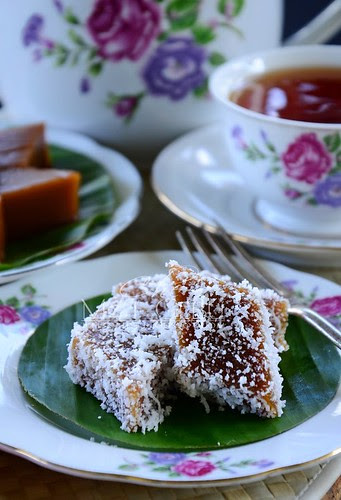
(306, 159)
(124, 29)
(175, 68)
(194, 468)
(328, 191)
(34, 314)
(237, 135)
(328, 306)
(167, 458)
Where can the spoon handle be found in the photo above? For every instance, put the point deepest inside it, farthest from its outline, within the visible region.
(320, 29)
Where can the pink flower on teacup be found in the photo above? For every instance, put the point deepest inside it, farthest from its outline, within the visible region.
(194, 468)
(329, 306)
(306, 159)
(8, 315)
(124, 29)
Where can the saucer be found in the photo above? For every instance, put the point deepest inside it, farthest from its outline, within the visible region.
(194, 178)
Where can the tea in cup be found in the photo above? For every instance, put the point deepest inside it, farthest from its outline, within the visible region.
(283, 132)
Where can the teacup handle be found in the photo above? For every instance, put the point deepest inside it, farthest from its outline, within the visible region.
(320, 29)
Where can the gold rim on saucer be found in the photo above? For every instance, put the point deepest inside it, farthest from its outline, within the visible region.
(249, 240)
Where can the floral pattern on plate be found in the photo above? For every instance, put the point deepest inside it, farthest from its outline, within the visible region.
(313, 163)
(166, 38)
(23, 312)
(330, 307)
(192, 465)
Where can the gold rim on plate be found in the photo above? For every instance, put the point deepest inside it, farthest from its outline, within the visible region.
(105, 476)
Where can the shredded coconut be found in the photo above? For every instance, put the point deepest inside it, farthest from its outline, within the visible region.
(211, 338)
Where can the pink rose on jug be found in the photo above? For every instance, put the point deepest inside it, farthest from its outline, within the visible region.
(123, 29)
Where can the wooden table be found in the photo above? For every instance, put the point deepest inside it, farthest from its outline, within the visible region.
(19, 479)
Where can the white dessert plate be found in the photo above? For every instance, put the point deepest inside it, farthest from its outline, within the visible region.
(25, 433)
(194, 178)
(127, 184)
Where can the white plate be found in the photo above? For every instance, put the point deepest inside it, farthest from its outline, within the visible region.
(23, 432)
(128, 186)
(193, 177)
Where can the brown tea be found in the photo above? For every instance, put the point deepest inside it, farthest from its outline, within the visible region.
(305, 94)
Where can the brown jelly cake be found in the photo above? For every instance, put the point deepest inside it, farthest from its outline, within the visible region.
(225, 350)
(34, 200)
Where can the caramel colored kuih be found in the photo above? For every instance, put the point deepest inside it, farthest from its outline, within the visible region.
(24, 147)
(34, 200)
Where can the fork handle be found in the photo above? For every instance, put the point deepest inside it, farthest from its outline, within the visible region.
(321, 324)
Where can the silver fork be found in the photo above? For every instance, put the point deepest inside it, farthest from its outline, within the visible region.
(211, 249)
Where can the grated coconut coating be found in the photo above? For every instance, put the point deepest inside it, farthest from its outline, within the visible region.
(121, 358)
(225, 348)
(210, 335)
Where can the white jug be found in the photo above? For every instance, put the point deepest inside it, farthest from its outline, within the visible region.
(130, 73)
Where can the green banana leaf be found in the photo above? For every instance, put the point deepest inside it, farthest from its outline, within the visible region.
(311, 371)
(97, 203)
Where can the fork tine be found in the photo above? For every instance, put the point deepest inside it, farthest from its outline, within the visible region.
(185, 247)
(185, 243)
(232, 268)
(259, 275)
(204, 252)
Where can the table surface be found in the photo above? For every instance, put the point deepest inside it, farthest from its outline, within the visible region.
(20, 479)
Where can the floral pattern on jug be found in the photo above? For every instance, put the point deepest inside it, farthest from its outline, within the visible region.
(311, 164)
(165, 37)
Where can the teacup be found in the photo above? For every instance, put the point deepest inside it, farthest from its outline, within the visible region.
(293, 168)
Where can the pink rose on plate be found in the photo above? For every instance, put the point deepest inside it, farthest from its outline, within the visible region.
(306, 159)
(329, 306)
(8, 315)
(124, 29)
(194, 468)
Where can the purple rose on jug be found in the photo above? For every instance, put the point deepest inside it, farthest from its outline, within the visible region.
(123, 29)
(175, 68)
(306, 159)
